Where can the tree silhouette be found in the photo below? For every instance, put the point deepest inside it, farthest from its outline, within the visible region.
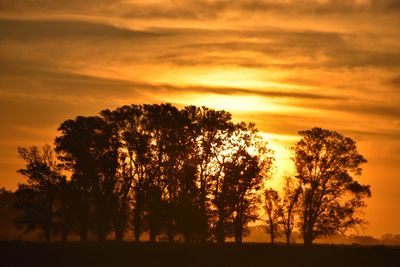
(325, 162)
(64, 209)
(209, 129)
(186, 206)
(166, 128)
(86, 147)
(184, 174)
(133, 144)
(247, 165)
(36, 198)
(272, 208)
(8, 213)
(289, 206)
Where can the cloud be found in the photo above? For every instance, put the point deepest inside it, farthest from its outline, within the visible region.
(77, 6)
(43, 80)
(30, 30)
(290, 124)
(394, 82)
(297, 48)
(199, 10)
(260, 92)
(359, 107)
(275, 48)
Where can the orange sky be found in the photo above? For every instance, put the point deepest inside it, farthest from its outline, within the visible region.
(285, 65)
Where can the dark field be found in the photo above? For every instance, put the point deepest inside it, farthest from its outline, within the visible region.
(129, 254)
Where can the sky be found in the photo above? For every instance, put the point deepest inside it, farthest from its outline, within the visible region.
(286, 65)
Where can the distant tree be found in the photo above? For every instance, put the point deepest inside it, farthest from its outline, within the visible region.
(390, 240)
(6, 202)
(36, 198)
(366, 240)
(326, 162)
(272, 208)
(289, 206)
(8, 213)
(64, 206)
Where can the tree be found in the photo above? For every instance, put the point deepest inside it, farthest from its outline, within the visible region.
(166, 127)
(245, 172)
(326, 163)
(272, 208)
(86, 148)
(189, 173)
(186, 207)
(128, 124)
(65, 205)
(245, 179)
(289, 206)
(8, 213)
(208, 132)
(36, 198)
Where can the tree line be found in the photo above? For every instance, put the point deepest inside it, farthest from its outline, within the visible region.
(188, 174)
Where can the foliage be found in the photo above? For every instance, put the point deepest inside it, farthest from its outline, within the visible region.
(36, 198)
(272, 208)
(326, 162)
(187, 174)
(289, 209)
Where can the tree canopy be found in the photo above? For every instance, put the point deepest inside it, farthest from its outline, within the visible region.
(189, 174)
(327, 164)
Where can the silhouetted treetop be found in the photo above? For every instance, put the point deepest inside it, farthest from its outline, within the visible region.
(326, 164)
(165, 168)
(189, 174)
(37, 197)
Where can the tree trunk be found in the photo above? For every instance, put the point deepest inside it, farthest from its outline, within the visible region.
(101, 236)
(153, 236)
(120, 219)
(221, 238)
(238, 238)
(83, 235)
(137, 232)
(170, 233)
(272, 233)
(137, 224)
(220, 232)
(288, 239)
(238, 231)
(47, 235)
(119, 234)
(84, 217)
(308, 233)
(64, 235)
(203, 212)
(137, 212)
(308, 239)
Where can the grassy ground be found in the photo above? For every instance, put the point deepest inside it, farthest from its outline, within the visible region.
(129, 254)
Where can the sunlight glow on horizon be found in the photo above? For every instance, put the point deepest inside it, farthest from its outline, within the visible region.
(283, 164)
(221, 77)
